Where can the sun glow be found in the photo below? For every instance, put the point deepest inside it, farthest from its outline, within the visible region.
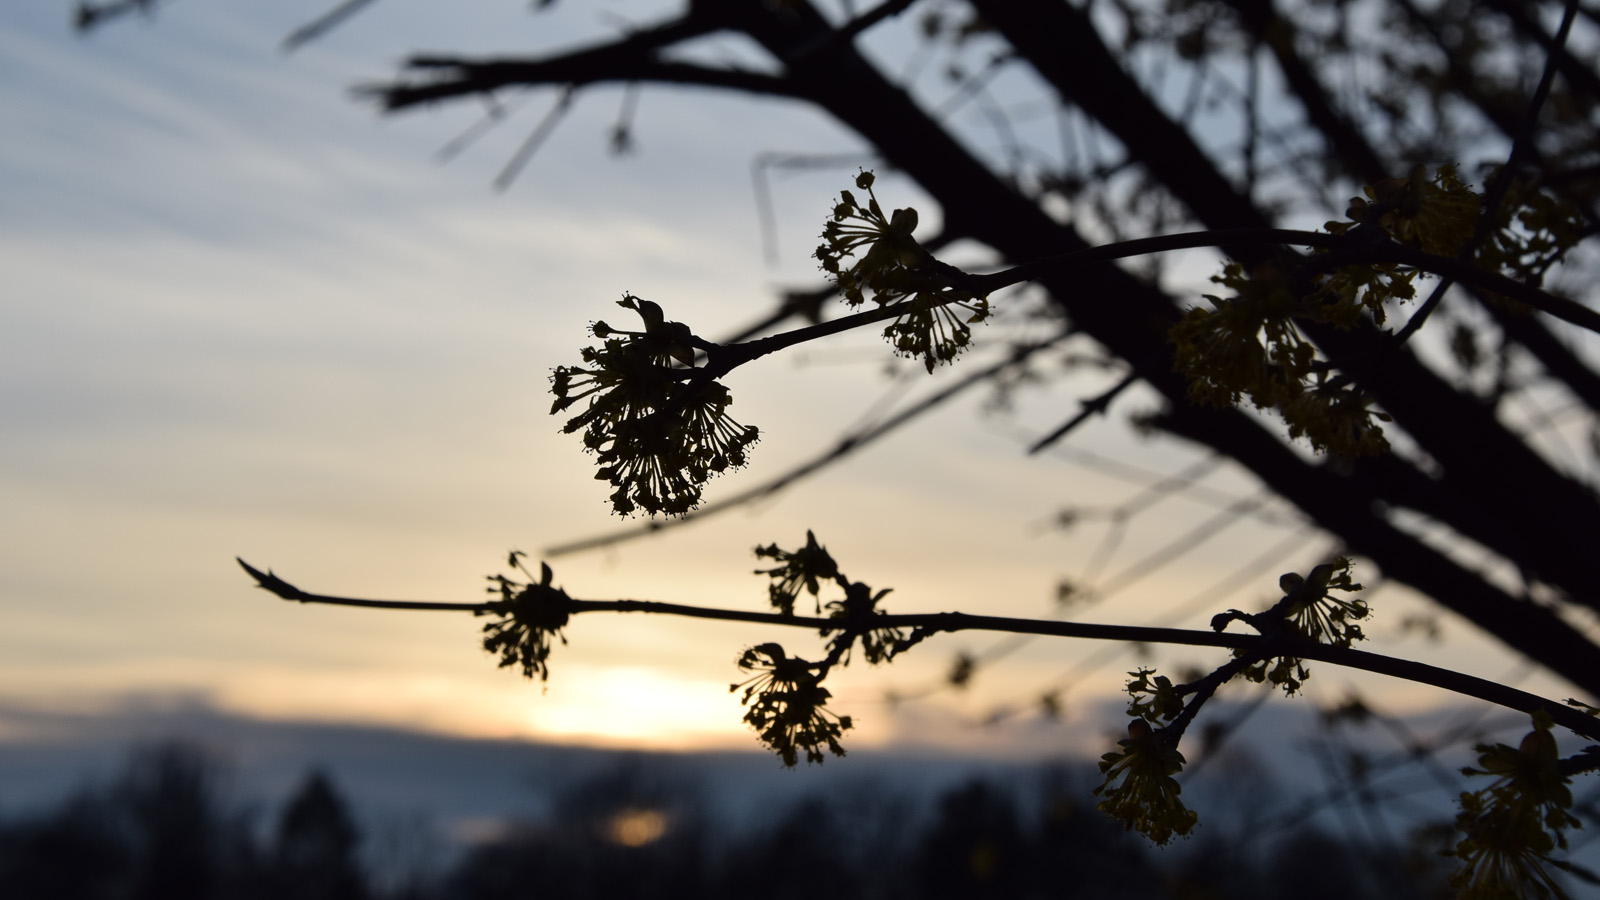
(639, 707)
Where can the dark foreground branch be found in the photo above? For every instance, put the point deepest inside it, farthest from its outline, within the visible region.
(931, 623)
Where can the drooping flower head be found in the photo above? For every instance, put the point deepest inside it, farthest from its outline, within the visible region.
(786, 703)
(1146, 798)
(658, 432)
(1512, 826)
(1248, 346)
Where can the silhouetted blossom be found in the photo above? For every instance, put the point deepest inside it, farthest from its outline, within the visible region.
(1146, 799)
(786, 703)
(801, 569)
(865, 250)
(531, 613)
(658, 432)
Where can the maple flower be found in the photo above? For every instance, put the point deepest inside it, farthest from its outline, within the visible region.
(786, 703)
(1533, 231)
(802, 569)
(864, 250)
(658, 433)
(1512, 826)
(1248, 346)
(936, 326)
(1436, 215)
(531, 613)
(1147, 798)
(1153, 700)
(856, 614)
(1310, 610)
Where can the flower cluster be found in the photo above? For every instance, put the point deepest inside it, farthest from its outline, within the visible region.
(786, 703)
(1311, 611)
(1512, 826)
(803, 568)
(1147, 799)
(1153, 699)
(531, 613)
(864, 250)
(936, 326)
(1248, 346)
(856, 614)
(1436, 215)
(658, 433)
(1315, 613)
(1533, 231)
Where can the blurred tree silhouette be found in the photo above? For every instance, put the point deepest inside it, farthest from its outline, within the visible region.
(1216, 118)
(973, 841)
(316, 845)
(160, 830)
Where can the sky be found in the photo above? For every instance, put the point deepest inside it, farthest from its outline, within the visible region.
(242, 314)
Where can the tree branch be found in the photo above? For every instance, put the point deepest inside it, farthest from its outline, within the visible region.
(932, 623)
(634, 57)
(458, 77)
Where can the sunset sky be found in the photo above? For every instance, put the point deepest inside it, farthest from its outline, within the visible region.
(242, 314)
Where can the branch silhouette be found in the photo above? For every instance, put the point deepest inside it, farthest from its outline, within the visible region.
(1258, 646)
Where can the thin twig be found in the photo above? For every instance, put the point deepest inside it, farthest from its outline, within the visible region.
(1086, 409)
(322, 24)
(537, 138)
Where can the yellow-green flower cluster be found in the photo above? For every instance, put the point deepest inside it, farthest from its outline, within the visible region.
(657, 432)
(1248, 346)
(1534, 231)
(787, 703)
(1512, 826)
(1436, 215)
(1155, 699)
(1147, 797)
(1316, 613)
(531, 613)
(865, 251)
(1311, 611)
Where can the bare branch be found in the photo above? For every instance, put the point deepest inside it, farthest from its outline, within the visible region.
(1092, 406)
(322, 24)
(634, 58)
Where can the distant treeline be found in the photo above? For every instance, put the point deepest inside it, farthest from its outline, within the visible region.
(161, 831)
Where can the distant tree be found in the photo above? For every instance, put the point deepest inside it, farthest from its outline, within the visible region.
(159, 830)
(976, 847)
(315, 853)
(70, 854)
(1472, 126)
